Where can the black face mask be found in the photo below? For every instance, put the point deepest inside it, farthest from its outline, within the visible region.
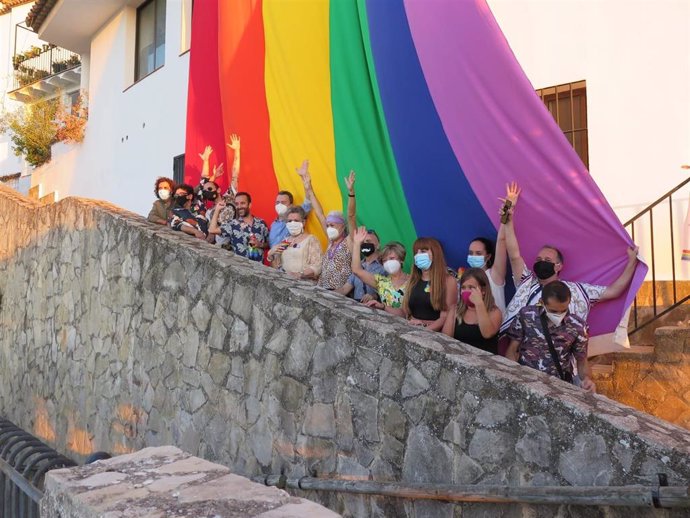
(543, 269)
(367, 249)
(180, 199)
(209, 195)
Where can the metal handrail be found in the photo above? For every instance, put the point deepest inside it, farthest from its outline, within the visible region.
(24, 461)
(657, 202)
(648, 211)
(627, 496)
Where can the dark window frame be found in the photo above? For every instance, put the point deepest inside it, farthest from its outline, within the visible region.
(568, 92)
(178, 169)
(156, 66)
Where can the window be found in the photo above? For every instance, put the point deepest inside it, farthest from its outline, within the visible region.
(568, 105)
(150, 45)
(178, 169)
(186, 34)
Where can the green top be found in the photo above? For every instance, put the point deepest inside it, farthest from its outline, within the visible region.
(389, 294)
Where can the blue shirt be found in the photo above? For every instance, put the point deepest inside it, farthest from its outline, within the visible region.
(360, 289)
(279, 229)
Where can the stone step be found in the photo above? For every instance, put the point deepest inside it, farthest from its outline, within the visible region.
(638, 349)
(600, 370)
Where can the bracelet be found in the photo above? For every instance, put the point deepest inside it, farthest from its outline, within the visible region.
(351, 195)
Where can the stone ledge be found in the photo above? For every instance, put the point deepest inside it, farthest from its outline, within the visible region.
(165, 481)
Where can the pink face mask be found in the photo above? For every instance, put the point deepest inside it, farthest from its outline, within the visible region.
(466, 298)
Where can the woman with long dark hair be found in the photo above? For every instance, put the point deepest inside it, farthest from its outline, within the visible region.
(431, 292)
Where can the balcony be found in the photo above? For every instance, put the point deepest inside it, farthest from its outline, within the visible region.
(44, 72)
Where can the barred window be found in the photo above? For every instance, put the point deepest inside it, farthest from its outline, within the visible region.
(568, 105)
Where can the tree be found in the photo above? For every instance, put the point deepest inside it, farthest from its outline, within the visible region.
(32, 129)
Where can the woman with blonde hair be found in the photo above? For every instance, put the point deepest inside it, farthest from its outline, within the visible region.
(390, 287)
(431, 293)
(477, 318)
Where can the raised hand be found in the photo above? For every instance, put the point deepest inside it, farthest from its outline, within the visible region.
(206, 154)
(350, 182)
(513, 192)
(632, 253)
(217, 172)
(303, 170)
(360, 235)
(234, 143)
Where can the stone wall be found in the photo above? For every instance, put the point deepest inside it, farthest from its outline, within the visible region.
(656, 382)
(117, 334)
(164, 481)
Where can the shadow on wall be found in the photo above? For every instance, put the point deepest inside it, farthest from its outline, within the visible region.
(118, 334)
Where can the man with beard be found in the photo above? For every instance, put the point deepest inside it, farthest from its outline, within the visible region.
(547, 267)
(246, 233)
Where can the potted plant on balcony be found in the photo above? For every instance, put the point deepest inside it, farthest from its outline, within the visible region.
(59, 66)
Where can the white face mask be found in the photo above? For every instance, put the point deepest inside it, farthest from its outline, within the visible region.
(295, 227)
(281, 209)
(391, 266)
(332, 233)
(163, 194)
(556, 318)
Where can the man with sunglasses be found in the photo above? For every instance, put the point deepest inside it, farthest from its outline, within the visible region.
(547, 267)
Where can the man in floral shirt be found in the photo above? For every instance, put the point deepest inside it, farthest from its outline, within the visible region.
(529, 345)
(246, 233)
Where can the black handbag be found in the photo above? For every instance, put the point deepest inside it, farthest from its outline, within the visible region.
(565, 376)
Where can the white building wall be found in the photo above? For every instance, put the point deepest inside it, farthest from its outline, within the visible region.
(9, 163)
(635, 57)
(134, 130)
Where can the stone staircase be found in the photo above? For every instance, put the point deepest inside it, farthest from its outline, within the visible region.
(652, 378)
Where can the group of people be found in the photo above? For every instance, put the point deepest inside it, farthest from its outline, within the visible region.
(544, 326)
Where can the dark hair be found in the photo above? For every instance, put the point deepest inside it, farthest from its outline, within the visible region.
(159, 181)
(185, 187)
(490, 248)
(242, 193)
(296, 210)
(288, 194)
(214, 183)
(372, 232)
(559, 255)
(556, 290)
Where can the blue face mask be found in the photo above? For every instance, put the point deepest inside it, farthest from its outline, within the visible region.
(422, 261)
(476, 261)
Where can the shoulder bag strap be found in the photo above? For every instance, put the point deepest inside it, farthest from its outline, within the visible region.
(552, 349)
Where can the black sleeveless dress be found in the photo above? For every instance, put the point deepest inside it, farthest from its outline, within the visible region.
(420, 302)
(470, 334)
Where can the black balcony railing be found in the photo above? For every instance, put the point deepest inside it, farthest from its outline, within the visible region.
(38, 63)
(638, 321)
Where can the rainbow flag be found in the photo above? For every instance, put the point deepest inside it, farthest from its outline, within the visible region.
(423, 99)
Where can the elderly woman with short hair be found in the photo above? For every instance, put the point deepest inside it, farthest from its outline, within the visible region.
(299, 254)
